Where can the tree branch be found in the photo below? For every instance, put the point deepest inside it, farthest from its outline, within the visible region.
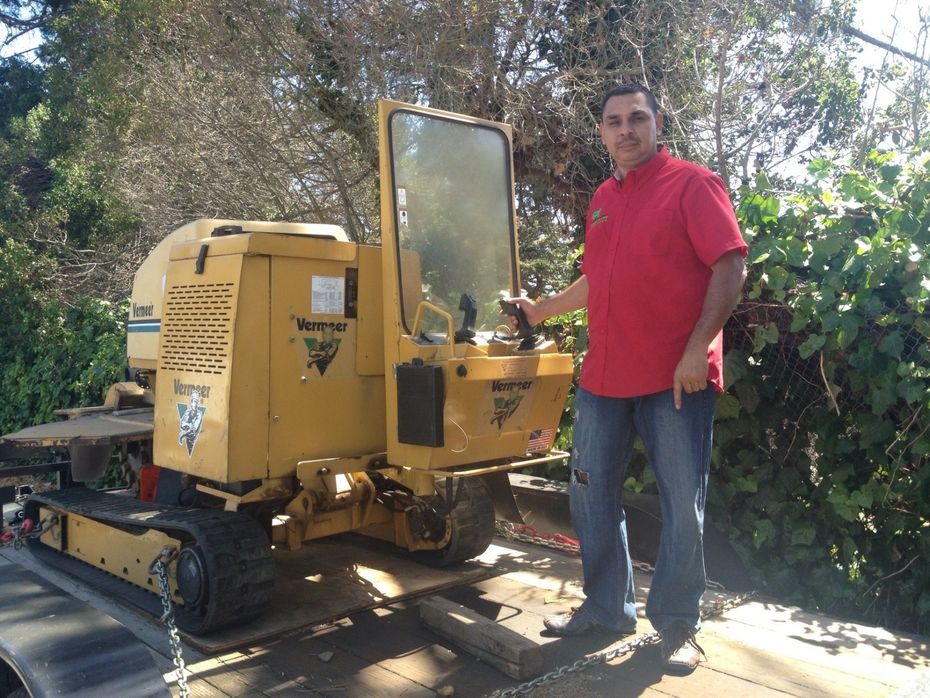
(852, 31)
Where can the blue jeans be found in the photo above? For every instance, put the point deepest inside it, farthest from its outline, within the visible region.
(678, 445)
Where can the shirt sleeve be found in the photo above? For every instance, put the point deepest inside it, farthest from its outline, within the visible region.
(709, 219)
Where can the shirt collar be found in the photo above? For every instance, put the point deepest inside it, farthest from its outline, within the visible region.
(644, 171)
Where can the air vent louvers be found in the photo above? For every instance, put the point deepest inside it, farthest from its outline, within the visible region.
(196, 331)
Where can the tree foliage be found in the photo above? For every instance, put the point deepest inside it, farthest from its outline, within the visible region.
(266, 109)
(823, 437)
(52, 355)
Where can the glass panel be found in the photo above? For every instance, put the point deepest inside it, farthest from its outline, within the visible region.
(454, 217)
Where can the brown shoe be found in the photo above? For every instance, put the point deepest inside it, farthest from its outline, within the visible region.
(578, 622)
(680, 651)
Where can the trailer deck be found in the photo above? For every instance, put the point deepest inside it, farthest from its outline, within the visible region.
(367, 638)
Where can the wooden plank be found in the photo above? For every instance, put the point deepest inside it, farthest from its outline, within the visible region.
(513, 654)
(816, 652)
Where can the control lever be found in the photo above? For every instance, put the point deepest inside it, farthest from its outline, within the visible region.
(524, 329)
(467, 332)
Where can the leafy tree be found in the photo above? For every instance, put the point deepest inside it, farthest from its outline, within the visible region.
(51, 355)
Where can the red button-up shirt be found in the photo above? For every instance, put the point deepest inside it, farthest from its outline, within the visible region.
(650, 241)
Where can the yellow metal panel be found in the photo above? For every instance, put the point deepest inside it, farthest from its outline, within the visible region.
(320, 406)
(145, 309)
(267, 244)
(125, 555)
(148, 284)
(369, 350)
(492, 405)
(246, 435)
(195, 365)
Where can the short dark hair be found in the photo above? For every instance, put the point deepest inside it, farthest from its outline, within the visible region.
(630, 89)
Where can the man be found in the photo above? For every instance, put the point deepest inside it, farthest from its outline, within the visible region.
(662, 270)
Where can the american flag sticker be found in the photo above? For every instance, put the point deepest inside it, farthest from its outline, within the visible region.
(540, 440)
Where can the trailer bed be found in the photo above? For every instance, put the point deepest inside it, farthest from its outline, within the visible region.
(367, 639)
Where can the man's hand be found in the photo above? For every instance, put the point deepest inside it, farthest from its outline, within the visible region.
(726, 282)
(690, 374)
(572, 298)
(529, 308)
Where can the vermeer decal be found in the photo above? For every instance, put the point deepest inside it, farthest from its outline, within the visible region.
(191, 420)
(321, 352)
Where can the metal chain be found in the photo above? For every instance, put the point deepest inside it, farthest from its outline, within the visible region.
(716, 608)
(15, 535)
(580, 665)
(527, 534)
(159, 566)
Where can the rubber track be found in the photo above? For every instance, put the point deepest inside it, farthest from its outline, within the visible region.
(238, 558)
(472, 521)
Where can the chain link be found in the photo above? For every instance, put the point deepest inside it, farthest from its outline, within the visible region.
(715, 608)
(580, 665)
(15, 535)
(527, 534)
(159, 566)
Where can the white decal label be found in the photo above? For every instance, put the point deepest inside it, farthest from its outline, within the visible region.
(328, 295)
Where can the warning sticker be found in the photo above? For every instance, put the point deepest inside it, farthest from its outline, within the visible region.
(328, 295)
(514, 369)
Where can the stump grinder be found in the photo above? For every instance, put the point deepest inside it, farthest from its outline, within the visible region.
(290, 384)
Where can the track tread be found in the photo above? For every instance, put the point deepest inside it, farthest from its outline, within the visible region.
(472, 521)
(238, 554)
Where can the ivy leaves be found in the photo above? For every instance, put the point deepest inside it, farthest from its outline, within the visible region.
(822, 437)
(51, 355)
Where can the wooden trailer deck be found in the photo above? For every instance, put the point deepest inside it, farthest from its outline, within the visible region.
(308, 645)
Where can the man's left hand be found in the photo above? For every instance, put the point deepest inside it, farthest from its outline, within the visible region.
(690, 374)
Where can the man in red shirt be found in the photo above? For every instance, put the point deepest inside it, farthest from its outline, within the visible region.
(663, 268)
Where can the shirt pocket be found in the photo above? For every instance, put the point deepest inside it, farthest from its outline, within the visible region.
(660, 234)
(659, 231)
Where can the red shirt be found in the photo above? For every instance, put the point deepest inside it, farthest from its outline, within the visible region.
(649, 245)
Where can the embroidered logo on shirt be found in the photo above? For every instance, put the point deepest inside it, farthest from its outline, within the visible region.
(596, 217)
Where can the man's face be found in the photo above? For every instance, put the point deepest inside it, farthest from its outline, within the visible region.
(628, 130)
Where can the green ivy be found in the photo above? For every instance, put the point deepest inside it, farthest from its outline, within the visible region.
(821, 443)
(52, 355)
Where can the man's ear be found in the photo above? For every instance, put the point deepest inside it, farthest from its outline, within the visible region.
(660, 122)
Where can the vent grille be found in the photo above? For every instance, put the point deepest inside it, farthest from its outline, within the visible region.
(196, 331)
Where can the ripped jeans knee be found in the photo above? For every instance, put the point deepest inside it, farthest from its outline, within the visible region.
(580, 477)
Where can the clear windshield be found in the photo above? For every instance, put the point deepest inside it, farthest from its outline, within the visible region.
(454, 216)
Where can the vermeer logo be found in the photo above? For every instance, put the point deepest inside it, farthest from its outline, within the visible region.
(305, 325)
(190, 419)
(322, 351)
(499, 386)
(505, 406)
(188, 389)
(143, 310)
(598, 217)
